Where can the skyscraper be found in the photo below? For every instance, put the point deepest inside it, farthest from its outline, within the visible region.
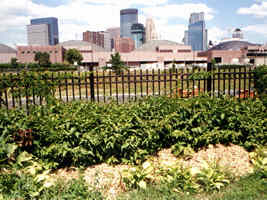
(52, 24)
(151, 33)
(38, 34)
(185, 40)
(114, 33)
(100, 38)
(138, 34)
(128, 17)
(197, 32)
(94, 37)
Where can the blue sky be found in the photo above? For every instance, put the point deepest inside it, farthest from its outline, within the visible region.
(170, 16)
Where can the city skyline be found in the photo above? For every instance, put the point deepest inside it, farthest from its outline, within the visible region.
(170, 17)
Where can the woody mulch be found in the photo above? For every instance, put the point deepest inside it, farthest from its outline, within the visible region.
(108, 179)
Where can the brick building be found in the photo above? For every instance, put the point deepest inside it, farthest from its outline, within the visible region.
(228, 52)
(25, 54)
(124, 45)
(94, 37)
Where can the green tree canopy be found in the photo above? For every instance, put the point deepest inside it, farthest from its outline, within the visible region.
(117, 64)
(73, 55)
(14, 62)
(43, 59)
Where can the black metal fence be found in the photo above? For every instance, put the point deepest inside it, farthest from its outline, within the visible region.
(105, 86)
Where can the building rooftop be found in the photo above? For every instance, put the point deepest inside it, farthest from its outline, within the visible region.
(153, 44)
(80, 43)
(6, 49)
(233, 45)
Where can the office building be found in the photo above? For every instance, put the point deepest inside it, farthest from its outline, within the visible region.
(107, 40)
(151, 33)
(197, 32)
(124, 45)
(185, 39)
(138, 34)
(38, 34)
(128, 17)
(114, 33)
(100, 38)
(94, 37)
(52, 24)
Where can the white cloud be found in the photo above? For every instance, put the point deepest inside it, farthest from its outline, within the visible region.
(182, 11)
(127, 2)
(257, 28)
(216, 34)
(257, 10)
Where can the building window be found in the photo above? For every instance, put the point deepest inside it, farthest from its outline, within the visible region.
(218, 59)
(184, 51)
(28, 52)
(165, 51)
(55, 51)
(252, 61)
(22, 52)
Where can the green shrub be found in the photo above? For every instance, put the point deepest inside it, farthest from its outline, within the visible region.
(25, 186)
(83, 134)
(260, 75)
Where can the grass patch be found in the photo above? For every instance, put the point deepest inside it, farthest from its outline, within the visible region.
(252, 187)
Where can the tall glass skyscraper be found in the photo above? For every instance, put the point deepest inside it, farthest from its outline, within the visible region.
(138, 34)
(52, 27)
(197, 33)
(128, 17)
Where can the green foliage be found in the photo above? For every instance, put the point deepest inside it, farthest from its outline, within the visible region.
(83, 134)
(139, 177)
(36, 67)
(14, 62)
(251, 187)
(260, 75)
(25, 186)
(7, 151)
(117, 65)
(43, 58)
(259, 160)
(28, 84)
(180, 179)
(212, 177)
(73, 55)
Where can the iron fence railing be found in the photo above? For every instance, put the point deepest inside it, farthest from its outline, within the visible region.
(104, 86)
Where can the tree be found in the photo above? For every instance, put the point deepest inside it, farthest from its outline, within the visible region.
(117, 64)
(14, 62)
(73, 55)
(43, 59)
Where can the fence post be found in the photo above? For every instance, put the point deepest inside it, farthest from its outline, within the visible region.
(92, 85)
(209, 81)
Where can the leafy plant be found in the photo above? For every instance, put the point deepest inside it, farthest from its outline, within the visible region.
(260, 75)
(139, 177)
(211, 177)
(43, 58)
(73, 55)
(259, 160)
(180, 179)
(117, 65)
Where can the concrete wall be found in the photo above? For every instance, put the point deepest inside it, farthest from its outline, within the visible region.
(6, 57)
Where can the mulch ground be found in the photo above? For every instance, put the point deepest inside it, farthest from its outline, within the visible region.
(108, 178)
